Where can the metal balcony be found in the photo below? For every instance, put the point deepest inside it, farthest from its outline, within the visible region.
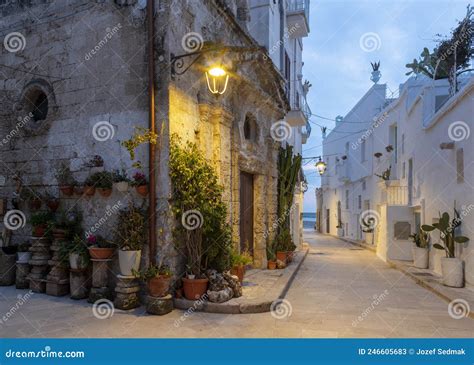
(297, 18)
(391, 193)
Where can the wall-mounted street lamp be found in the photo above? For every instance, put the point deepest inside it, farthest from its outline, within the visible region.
(217, 75)
(321, 166)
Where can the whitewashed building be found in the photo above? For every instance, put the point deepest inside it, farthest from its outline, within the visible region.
(280, 27)
(420, 137)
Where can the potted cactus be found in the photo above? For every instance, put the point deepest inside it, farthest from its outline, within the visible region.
(451, 266)
(65, 180)
(420, 249)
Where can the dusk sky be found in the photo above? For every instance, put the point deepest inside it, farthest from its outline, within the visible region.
(339, 68)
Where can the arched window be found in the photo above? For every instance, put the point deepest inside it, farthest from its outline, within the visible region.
(36, 103)
(250, 128)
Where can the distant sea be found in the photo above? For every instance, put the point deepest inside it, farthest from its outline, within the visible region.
(309, 220)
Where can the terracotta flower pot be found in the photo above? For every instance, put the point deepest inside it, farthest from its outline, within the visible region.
(53, 205)
(89, 190)
(67, 190)
(159, 286)
(271, 265)
(281, 255)
(194, 288)
(39, 231)
(238, 271)
(142, 190)
(289, 256)
(78, 190)
(104, 192)
(99, 253)
(35, 204)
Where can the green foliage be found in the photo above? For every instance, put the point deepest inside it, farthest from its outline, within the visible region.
(283, 241)
(452, 55)
(28, 194)
(41, 219)
(196, 187)
(447, 229)
(103, 179)
(152, 271)
(131, 232)
(78, 246)
(64, 176)
(289, 167)
(421, 238)
(120, 175)
(140, 136)
(71, 221)
(241, 259)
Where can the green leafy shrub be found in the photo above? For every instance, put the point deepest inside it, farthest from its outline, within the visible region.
(131, 232)
(103, 180)
(41, 219)
(64, 176)
(196, 188)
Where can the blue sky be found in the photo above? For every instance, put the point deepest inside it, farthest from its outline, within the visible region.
(339, 68)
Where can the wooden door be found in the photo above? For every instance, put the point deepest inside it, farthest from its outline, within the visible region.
(246, 212)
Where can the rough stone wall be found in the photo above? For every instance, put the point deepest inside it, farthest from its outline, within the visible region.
(88, 58)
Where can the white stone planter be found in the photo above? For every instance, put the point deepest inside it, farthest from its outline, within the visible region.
(122, 186)
(421, 257)
(369, 237)
(452, 270)
(340, 232)
(23, 257)
(77, 262)
(129, 260)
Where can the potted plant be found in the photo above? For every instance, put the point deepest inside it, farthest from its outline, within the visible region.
(420, 249)
(131, 236)
(89, 185)
(368, 229)
(157, 279)
(23, 253)
(271, 260)
(39, 221)
(100, 248)
(283, 245)
(65, 180)
(52, 202)
(340, 229)
(103, 182)
(66, 225)
(140, 183)
(451, 266)
(239, 262)
(78, 254)
(121, 180)
(32, 197)
(79, 189)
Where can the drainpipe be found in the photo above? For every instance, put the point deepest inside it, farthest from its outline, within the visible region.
(151, 123)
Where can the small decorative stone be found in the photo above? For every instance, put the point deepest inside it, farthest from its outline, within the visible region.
(280, 264)
(159, 306)
(220, 296)
(222, 287)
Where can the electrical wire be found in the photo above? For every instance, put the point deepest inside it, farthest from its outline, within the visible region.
(32, 73)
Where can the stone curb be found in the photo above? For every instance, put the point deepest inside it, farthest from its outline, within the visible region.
(261, 306)
(416, 279)
(426, 285)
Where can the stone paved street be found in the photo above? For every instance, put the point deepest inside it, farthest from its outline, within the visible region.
(337, 284)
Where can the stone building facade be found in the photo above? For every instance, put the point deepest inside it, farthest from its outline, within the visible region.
(88, 61)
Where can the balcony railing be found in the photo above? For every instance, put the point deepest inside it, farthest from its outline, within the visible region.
(392, 194)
